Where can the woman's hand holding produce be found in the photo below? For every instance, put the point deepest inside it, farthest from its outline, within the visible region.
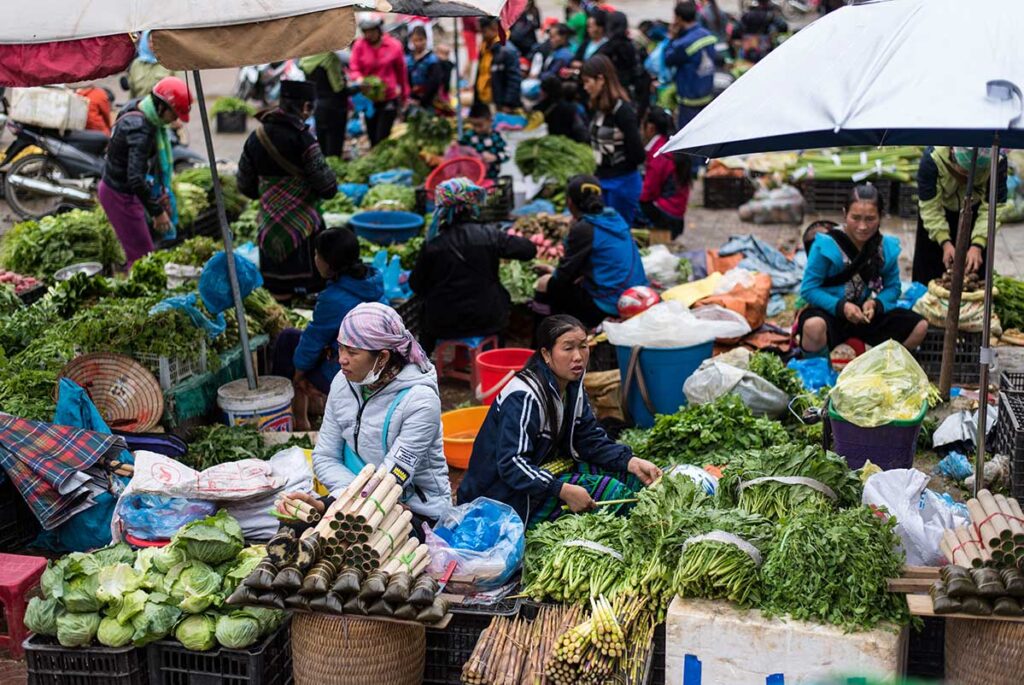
(284, 508)
(577, 497)
(853, 313)
(644, 470)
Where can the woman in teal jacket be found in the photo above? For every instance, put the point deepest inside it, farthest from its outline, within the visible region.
(852, 283)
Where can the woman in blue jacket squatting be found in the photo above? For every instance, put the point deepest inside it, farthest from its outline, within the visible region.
(542, 415)
(852, 283)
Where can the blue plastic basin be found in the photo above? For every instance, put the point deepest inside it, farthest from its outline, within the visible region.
(664, 371)
(385, 228)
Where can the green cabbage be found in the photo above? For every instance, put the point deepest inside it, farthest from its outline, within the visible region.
(194, 584)
(77, 630)
(269, 619)
(155, 621)
(115, 581)
(144, 559)
(212, 540)
(41, 615)
(111, 633)
(79, 564)
(168, 556)
(248, 559)
(80, 594)
(197, 632)
(52, 580)
(114, 554)
(237, 630)
(131, 605)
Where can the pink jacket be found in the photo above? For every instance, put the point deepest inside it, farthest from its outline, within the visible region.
(660, 186)
(386, 61)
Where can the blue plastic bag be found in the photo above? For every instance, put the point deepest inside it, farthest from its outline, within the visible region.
(485, 539)
(362, 105)
(187, 304)
(911, 294)
(215, 287)
(815, 373)
(355, 191)
(535, 207)
(956, 466)
(155, 517)
(397, 177)
(249, 251)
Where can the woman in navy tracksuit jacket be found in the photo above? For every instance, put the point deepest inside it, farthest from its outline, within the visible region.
(543, 415)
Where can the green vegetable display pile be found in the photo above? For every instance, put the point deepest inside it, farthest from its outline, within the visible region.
(1009, 303)
(192, 201)
(245, 228)
(518, 279)
(339, 204)
(427, 135)
(201, 177)
(771, 368)
(116, 597)
(217, 444)
(699, 431)
(556, 158)
(388, 196)
(42, 248)
(229, 105)
(407, 252)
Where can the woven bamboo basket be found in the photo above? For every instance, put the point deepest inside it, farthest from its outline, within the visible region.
(980, 652)
(345, 650)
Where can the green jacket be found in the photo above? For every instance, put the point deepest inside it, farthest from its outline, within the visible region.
(940, 189)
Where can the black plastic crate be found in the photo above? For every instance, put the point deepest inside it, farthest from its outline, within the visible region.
(727, 192)
(48, 663)
(231, 122)
(18, 525)
(421, 200)
(831, 196)
(966, 356)
(499, 201)
(657, 676)
(450, 647)
(266, 663)
(603, 357)
(1010, 438)
(926, 649)
(904, 201)
(1011, 381)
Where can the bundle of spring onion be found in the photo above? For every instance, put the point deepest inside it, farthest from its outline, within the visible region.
(893, 163)
(609, 646)
(778, 481)
(358, 558)
(722, 560)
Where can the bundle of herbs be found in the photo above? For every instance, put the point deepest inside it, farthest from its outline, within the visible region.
(779, 481)
(42, 248)
(219, 444)
(771, 368)
(834, 567)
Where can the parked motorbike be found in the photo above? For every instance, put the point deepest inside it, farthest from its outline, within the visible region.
(262, 82)
(46, 171)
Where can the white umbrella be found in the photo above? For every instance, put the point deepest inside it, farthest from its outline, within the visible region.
(896, 72)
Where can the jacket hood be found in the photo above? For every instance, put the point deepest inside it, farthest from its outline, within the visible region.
(369, 289)
(609, 221)
(411, 376)
(616, 25)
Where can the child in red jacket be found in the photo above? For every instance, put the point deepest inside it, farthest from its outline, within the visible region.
(666, 189)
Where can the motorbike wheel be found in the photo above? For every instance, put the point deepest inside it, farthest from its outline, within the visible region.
(28, 203)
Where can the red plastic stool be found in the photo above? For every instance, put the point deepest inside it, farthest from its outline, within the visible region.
(457, 358)
(18, 575)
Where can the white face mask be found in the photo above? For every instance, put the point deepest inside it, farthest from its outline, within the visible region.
(372, 376)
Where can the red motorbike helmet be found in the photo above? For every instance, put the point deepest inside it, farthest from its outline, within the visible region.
(173, 92)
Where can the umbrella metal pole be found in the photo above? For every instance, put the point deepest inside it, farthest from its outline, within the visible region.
(222, 218)
(956, 286)
(986, 326)
(458, 81)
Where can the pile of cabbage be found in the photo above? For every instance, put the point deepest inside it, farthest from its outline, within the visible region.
(119, 597)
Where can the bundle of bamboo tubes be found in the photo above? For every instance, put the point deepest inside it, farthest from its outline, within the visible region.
(513, 651)
(994, 538)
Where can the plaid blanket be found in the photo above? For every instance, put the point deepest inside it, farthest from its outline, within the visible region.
(52, 466)
(602, 485)
(288, 215)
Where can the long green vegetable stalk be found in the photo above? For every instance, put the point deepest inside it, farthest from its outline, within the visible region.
(834, 567)
(741, 484)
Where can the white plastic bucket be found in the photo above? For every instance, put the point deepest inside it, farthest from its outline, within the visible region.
(268, 407)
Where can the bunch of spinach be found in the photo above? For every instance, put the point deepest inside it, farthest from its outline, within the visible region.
(770, 367)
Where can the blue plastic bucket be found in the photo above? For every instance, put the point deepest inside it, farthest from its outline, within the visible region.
(385, 228)
(664, 371)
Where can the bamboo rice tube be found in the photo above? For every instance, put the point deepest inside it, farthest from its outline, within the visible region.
(1000, 525)
(389, 544)
(374, 481)
(391, 531)
(1016, 527)
(355, 486)
(393, 563)
(373, 502)
(984, 527)
(966, 546)
(386, 507)
(421, 566)
(947, 544)
(408, 559)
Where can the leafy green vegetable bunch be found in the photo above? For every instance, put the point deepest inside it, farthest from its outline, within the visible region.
(834, 567)
(234, 201)
(518, 279)
(1009, 303)
(229, 105)
(771, 368)
(42, 248)
(389, 196)
(557, 158)
(698, 431)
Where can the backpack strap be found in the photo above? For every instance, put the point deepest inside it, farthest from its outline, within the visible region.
(387, 418)
(275, 154)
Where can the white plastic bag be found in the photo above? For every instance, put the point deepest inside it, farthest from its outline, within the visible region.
(733, 278)
(661, 265)
(234, 480)
(485, 538)
(921, 519)
(716, 377)
(292, 473)
(671, 324)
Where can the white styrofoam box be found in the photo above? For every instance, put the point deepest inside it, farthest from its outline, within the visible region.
(739, 647)
(49, 107)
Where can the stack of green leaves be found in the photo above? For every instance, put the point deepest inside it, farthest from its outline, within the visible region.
(747, 481)
(118, 597)
(770, 367)
(518, 279)
(556, 158)
(834, 567)
(42, 248)
(191, 202)
(234, 201)
(407, 252)
(702, 433)
(246, 227)
(219, 444)
(390, 197)
(1009, 303)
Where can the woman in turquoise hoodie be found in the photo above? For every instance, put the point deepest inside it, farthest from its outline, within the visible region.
(310, 357)
(601, 259)
(852, 283)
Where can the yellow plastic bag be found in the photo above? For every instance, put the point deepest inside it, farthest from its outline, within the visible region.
(688, 293)
(882, 385)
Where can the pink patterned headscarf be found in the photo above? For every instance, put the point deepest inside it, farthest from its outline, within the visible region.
(376, 326)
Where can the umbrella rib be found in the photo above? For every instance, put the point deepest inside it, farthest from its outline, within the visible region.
(881, 60)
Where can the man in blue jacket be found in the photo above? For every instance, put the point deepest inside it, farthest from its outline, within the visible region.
(692, 54)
